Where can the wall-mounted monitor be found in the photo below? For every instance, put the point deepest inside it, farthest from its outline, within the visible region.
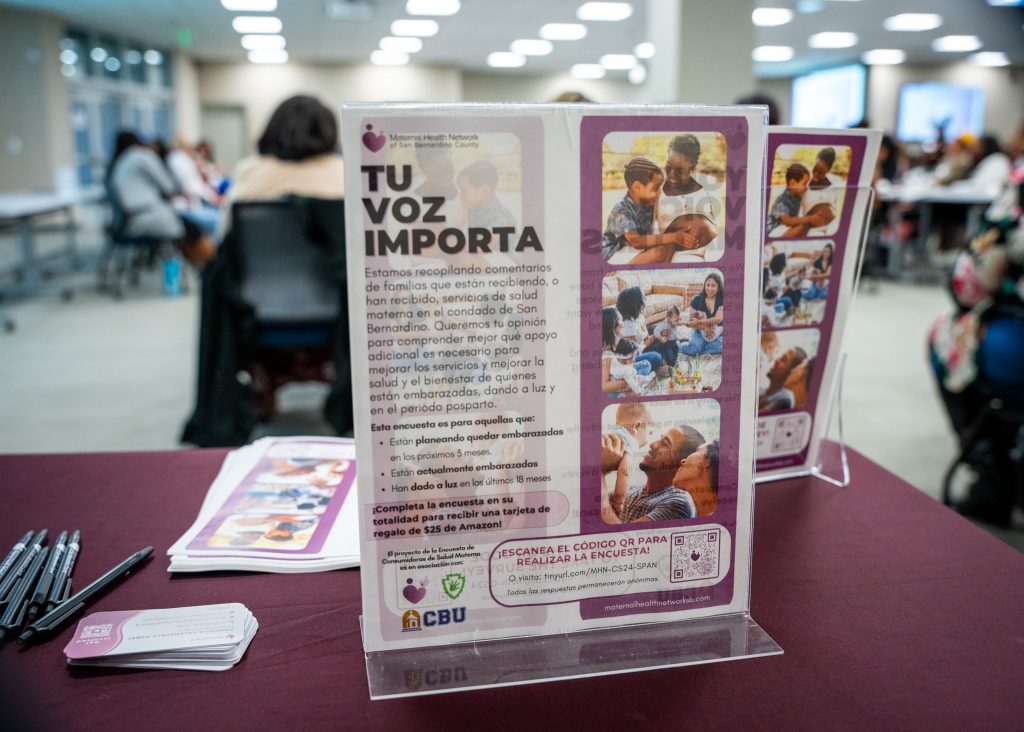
(924, 106)
(830, 97)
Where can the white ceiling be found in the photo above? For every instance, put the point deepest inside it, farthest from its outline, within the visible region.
(483, 26)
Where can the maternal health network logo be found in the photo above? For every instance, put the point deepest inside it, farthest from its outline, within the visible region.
(373, 141)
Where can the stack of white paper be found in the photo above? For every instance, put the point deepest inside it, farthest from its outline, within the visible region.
(200, 638)
(277, 505)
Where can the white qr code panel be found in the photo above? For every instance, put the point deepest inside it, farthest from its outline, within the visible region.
(695, 555)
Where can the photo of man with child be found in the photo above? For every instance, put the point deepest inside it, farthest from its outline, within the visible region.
(795, 282)
(663, 197)
(807, 184)
(658, 464)
(662, 332)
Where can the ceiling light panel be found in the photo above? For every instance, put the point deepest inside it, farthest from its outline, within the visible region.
(563, 31)
(956, 44)
(388, 58)
(772, 54)
(256, 24)
(912, 22)
(883, 57)
(989, 58)
(263, 43)
(432, 7)
(250, 6)
(505, 60)
(644, 50)
(401, 44)
(768, 17)
(832, 39)
(268, 57)
(419, 28)
(532, 47)
(604, 11)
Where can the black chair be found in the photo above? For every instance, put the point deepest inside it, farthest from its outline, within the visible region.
(274, 310)
(285, 276)
(126, 256)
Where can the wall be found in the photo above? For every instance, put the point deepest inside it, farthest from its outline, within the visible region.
(186, 98)
(498, 87)
(1003, 86)
(258, 89)
(34, 138)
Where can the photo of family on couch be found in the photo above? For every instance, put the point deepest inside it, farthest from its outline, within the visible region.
(795, 282)
(663, 197)
(659, 461)
(807, 189)
(785, 369)
(661, 332)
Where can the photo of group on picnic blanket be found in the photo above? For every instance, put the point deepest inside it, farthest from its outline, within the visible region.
(662, 332)
(807, 188)
(663, 197)
(795, 282)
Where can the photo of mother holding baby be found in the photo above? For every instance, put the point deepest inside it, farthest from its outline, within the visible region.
(664, 211)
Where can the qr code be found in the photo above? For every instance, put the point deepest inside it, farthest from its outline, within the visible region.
(695, 555)
(97, 631)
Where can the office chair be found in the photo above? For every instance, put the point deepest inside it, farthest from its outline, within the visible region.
(286, 275)
(126, 255)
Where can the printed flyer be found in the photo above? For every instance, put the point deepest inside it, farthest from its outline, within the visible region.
(560, 412)
(817, 197)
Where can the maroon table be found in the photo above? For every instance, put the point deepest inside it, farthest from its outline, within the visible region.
(893, 613)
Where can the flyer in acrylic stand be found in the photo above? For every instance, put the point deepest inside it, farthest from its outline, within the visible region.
(817, 200)
(560, 411)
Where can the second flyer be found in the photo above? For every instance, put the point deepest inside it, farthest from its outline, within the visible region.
(560, 363)
(817, 198)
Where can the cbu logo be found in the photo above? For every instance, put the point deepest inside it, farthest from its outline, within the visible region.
(410, 621)
(443, 617)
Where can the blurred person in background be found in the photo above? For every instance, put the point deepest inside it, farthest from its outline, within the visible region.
(143, 187)
(200, 201)
(297, 156)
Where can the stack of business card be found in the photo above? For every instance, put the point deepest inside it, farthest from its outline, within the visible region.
(200, 638)
(278, 505)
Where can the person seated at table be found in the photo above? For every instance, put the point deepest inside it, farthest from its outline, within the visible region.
(777, 396)
(957, 160)
(143, 187)
(992, 166)
(658, 499)
(200, 202)
(297, 156)
(697, 475)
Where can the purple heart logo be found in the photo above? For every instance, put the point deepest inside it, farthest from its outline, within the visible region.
(412, 593)
(373, 142)
(695, 556)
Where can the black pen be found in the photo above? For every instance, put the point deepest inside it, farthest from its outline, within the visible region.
(11, 619)
(63, 579)
(67, 609)
(13, 555)
(22, 564)
(42, 591)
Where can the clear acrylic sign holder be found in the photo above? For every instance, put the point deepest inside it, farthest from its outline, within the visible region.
(581, 654)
